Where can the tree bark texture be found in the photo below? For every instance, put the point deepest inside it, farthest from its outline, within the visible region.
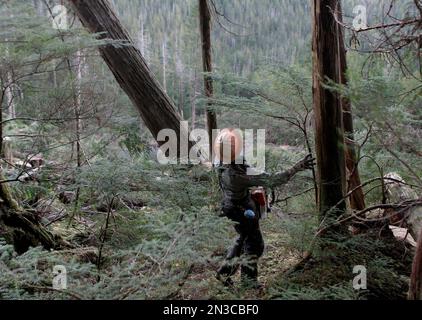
(205, 26)
(357, 198)
(327, 108)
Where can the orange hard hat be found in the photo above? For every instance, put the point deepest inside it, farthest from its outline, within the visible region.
(228, 145)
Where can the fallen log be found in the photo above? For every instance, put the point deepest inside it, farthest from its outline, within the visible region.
(23, 229)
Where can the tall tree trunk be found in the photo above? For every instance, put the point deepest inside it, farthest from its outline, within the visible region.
(357, 198)
(141, 37)
(10, 99)
(180, 72)
(193, 101)
(415, 291)
(76, 80)
(129, 68)
(54, 73)
(328, 109)
(77, 106)
(205, 25)
(181, 98)
(164, 58)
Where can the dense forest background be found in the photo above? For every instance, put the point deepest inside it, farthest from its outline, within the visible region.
(77, 156)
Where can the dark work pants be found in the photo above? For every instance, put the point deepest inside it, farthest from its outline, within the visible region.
(249, 246)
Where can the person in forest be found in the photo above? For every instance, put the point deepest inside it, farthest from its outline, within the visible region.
(235, 181)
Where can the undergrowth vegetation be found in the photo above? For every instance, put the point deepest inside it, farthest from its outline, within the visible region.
(160, 236)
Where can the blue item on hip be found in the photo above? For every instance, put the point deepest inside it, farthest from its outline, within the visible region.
(249, 214)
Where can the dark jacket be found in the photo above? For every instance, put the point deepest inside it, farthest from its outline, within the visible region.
(235, 182)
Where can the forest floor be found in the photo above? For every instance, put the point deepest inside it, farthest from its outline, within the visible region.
(158, 253)
(276, 260)
(325, 277)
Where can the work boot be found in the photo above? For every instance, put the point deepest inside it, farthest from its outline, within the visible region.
(249, 276)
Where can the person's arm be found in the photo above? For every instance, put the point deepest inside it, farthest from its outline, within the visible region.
(278, 179)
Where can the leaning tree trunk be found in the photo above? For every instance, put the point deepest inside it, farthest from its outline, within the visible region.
(129, 67)
(205, 25)
(415, 291)
(327, 109)
(357, 198)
